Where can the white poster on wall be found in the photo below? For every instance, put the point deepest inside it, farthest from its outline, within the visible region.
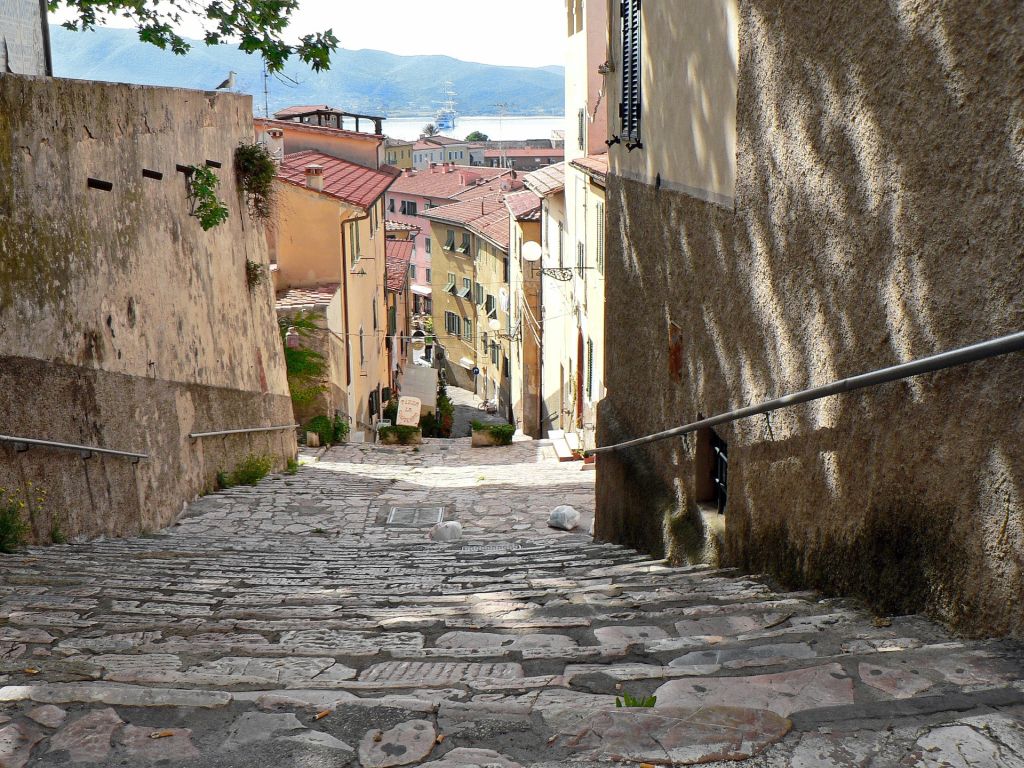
(409, 411)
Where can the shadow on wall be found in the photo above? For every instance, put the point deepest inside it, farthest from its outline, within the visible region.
(879, 193)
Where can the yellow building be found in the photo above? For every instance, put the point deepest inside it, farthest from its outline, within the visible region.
(330, 232)
(398, 153)
(470, 284)
(525, 313)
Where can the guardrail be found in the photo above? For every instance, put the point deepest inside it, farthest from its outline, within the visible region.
(195, 435)
(85, 451)
(1004, 345)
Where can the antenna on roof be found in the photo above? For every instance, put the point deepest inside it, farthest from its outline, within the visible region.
(266, 92)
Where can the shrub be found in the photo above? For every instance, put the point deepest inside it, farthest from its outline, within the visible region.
(445, 412)
(629, 701)
(391, 411)
(14, 529)
(255, 169)
(323, 427)
(404, 435)
(250, 471)
(502, 433)
(292, 466)
(255, 274)
(341, 430)
(429, 425)
(202, 193)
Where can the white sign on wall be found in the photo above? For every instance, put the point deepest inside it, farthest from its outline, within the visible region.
(24, 38)
(409, 411)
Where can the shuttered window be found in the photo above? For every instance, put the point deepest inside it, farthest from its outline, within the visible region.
(600, 238)
(582, 129)
(629, 109)
(590, 369)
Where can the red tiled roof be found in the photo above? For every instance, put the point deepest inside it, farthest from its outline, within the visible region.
(292, 125)
(439, 141)
(524, 206)
(307, 298)
(301, 109)
(487, 216)
(546, 181)
(595, 166)
(437, 183)
(398, 254)
(348, 182)
(525, 152)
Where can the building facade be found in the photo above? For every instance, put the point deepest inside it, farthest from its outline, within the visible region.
(793, 213)
(398, 153)
(525, 313)
(439, 150)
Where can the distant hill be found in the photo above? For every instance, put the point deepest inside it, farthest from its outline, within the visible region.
(364, 81)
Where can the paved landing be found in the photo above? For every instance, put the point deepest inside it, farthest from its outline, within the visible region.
(291, 625)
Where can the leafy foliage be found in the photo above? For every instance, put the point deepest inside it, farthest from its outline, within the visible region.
(430, 130)
(256, 171)
(629, 701)
(14, 529)
(404, 435)
(306, 368)
(249, 471)
(330, 431)
(256, 25)
(255, 274)
(478, 136)
(292, 467)
(202, 191)
(445, 412)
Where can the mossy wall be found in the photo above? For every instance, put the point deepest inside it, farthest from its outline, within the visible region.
(878, 219)
(122, 323)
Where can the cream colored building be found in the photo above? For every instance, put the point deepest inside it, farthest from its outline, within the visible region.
(398, 153)
(330, 232)
(471, 296)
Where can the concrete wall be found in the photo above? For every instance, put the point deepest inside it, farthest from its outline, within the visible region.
(525, 352)
(559, 320)
(879, 200)
(122, 323)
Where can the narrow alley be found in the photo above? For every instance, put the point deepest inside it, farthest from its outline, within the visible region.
(310, 621)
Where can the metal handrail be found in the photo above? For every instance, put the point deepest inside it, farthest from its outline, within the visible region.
(85, 450)
(982, 351)
(194, 435)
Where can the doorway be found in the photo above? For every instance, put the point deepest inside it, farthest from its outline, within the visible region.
(711, 468)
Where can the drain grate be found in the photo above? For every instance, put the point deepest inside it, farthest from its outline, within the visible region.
(421, 516)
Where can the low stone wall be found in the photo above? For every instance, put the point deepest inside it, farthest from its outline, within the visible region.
(123, 324)
(878, 222)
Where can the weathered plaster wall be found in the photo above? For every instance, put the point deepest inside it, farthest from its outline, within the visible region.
(122, 323)
(878, 219)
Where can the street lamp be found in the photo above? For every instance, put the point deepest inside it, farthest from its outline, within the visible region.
(532, 252)
(515, 336)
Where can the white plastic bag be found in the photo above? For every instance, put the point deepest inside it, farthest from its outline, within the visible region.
(564, 518)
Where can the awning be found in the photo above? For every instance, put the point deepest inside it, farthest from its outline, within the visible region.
(467, 363)
(422, 290)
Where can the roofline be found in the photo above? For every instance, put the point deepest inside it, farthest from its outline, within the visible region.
(474, 230)
(339, 198)
(601, 179)
(271, 122)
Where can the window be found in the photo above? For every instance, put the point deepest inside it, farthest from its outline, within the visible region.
(581, 258)
(590, 369)
(373, 221)
(582, 129)
(491, 307)
(449, 244)
(494, 353)
(412, 271)
(375, 313)
(428, 274)
(391, 205)
(426, 244)
(355, 250)
(467, 329)
(428, 306)
(362, 349)
(506, 276)
(465, 247)
(629, 108)
(452, 324)
(479, 294)
(600, 238)
(467, 288)
(409, 207)
(561, 243)
(450, 286)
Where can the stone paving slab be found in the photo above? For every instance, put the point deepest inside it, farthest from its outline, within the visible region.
(283, 625)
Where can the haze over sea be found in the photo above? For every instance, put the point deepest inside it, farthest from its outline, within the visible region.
(497, 129)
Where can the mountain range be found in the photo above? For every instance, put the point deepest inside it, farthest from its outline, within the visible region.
(364, 81)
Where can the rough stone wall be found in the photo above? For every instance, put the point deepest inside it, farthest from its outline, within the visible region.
(122, 323)
(880, 201)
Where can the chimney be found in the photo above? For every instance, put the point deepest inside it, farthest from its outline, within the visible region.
(315, 177)
(433, 167)
(462, 178)
(409, 172)
(274, 140)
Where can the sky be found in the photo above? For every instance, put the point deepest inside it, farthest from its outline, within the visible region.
(507, 32)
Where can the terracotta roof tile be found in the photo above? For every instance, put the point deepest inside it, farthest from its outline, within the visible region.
(546, 181)
(399, 226)
(595, 166)
(398, 254)
(525, 152)
(446, 183)
(301, 109)
(524, 206)
(348, 182)
(487, 216)
(307, 298)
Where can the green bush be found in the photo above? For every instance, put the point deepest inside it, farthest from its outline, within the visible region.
(405, 435)
(202, 192)
(14, 529)
(256, 170)
(323, 427)
(629, 701)
(292, 467)
(502, 433)
(391, 411)
(445, 412)
(429, 425)
(341, 430)
(250, 471)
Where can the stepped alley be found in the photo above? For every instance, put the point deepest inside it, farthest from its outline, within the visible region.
(310, 621)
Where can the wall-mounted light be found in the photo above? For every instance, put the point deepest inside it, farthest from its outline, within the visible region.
(292, 339)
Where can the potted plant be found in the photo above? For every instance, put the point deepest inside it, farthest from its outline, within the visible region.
(400, 436)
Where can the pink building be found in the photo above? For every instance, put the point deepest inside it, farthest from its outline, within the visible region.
(415, 192)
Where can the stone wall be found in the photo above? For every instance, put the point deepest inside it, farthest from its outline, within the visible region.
(122, 323)
(879, 201)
